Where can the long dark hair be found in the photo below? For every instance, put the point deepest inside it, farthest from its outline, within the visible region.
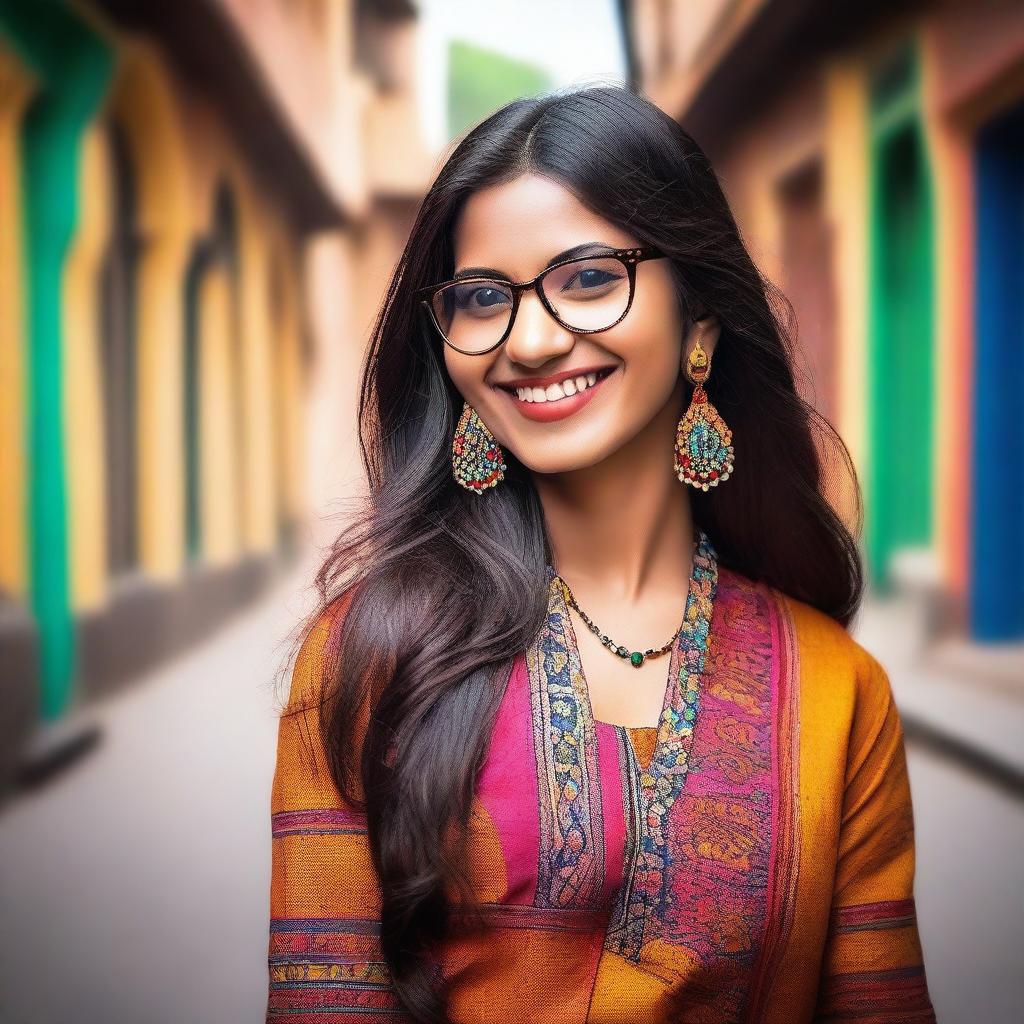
(442, 587)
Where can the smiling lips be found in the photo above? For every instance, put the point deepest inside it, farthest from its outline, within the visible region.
(560, 399)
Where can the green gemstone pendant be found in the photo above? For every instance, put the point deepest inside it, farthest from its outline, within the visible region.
(636, 658)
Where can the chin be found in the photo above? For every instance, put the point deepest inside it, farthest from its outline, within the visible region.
(550, 466)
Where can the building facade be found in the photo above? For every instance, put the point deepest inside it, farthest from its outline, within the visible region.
(198, 207)
(873, 156)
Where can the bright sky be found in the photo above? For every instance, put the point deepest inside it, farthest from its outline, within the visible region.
(575, 41)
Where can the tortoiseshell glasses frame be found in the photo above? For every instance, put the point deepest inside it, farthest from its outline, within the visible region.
(628, 257)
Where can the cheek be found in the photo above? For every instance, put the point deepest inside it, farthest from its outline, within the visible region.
(653, 328)
(467, 374)
(649, 385)
(651, 351)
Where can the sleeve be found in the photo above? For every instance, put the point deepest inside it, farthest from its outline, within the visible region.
(873, 966)
(325, 960)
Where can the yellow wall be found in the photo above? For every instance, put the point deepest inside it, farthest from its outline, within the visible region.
(290, 396)
(240, 379)
(218, 443)
(252, 397)
(846, 163)
(15, 90)
(256, 376)
(143, 103)
(83, 382)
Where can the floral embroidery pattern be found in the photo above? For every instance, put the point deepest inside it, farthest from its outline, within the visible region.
(660, 785)
(728, 819)
(647, 880)
(571, 863)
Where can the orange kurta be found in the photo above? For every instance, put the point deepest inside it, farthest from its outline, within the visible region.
(752, 860)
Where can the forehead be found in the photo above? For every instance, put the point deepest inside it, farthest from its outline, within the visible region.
(516, 227)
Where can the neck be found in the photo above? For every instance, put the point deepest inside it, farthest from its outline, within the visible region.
(623, 527)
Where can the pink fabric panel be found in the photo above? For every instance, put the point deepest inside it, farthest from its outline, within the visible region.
(778, 833)
(610, 770)
(507, 786)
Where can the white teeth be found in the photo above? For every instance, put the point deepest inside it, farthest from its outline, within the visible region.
(553, 392)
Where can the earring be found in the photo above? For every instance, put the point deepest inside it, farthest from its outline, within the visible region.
(477, 459)
(703, 450)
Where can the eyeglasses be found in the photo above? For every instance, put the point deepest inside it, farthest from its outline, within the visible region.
(585, 294)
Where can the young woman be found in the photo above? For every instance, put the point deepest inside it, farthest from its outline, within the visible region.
(579, 733)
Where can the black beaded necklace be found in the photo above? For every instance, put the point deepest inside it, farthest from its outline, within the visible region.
(636, 658)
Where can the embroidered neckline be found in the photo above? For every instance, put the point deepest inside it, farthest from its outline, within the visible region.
(570, 870)
(663, 779)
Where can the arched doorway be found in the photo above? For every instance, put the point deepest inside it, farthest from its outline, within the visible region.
(119, 360)
(211, 387)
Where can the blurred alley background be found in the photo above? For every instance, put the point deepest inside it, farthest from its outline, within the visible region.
(200, 205)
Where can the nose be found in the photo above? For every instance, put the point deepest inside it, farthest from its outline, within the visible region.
(536, 336)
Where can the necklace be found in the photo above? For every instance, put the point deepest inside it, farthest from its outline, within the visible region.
(636, 658)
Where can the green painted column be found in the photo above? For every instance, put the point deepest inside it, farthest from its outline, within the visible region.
(73, 66)
(901, 346)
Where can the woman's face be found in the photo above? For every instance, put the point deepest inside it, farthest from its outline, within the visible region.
(516, 228)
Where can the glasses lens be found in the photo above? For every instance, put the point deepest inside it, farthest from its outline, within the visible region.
(588, 294)
(473, 314)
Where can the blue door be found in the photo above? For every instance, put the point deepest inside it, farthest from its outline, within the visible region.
(997, 528)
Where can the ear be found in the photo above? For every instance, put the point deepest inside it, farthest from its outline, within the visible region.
(706, 330)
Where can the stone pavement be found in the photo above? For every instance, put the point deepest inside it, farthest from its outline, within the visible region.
(962, 708)
(969, 889)
(969, 697)
(134, 889)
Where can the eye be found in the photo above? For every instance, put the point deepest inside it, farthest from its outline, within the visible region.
(487, 297)
(480, 299)
(592, 277)
(586, 278)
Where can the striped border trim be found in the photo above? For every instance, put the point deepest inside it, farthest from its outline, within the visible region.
(321, 821)
(328, 968)
(867, 916)
(877, 997)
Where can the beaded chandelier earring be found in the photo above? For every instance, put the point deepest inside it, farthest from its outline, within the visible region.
(477, 459)
(703, 455)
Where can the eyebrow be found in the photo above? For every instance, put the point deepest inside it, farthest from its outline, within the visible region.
(576, 250)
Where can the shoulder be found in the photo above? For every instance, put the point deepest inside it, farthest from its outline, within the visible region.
(317, 649)
(838, 677)
(303, 776)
